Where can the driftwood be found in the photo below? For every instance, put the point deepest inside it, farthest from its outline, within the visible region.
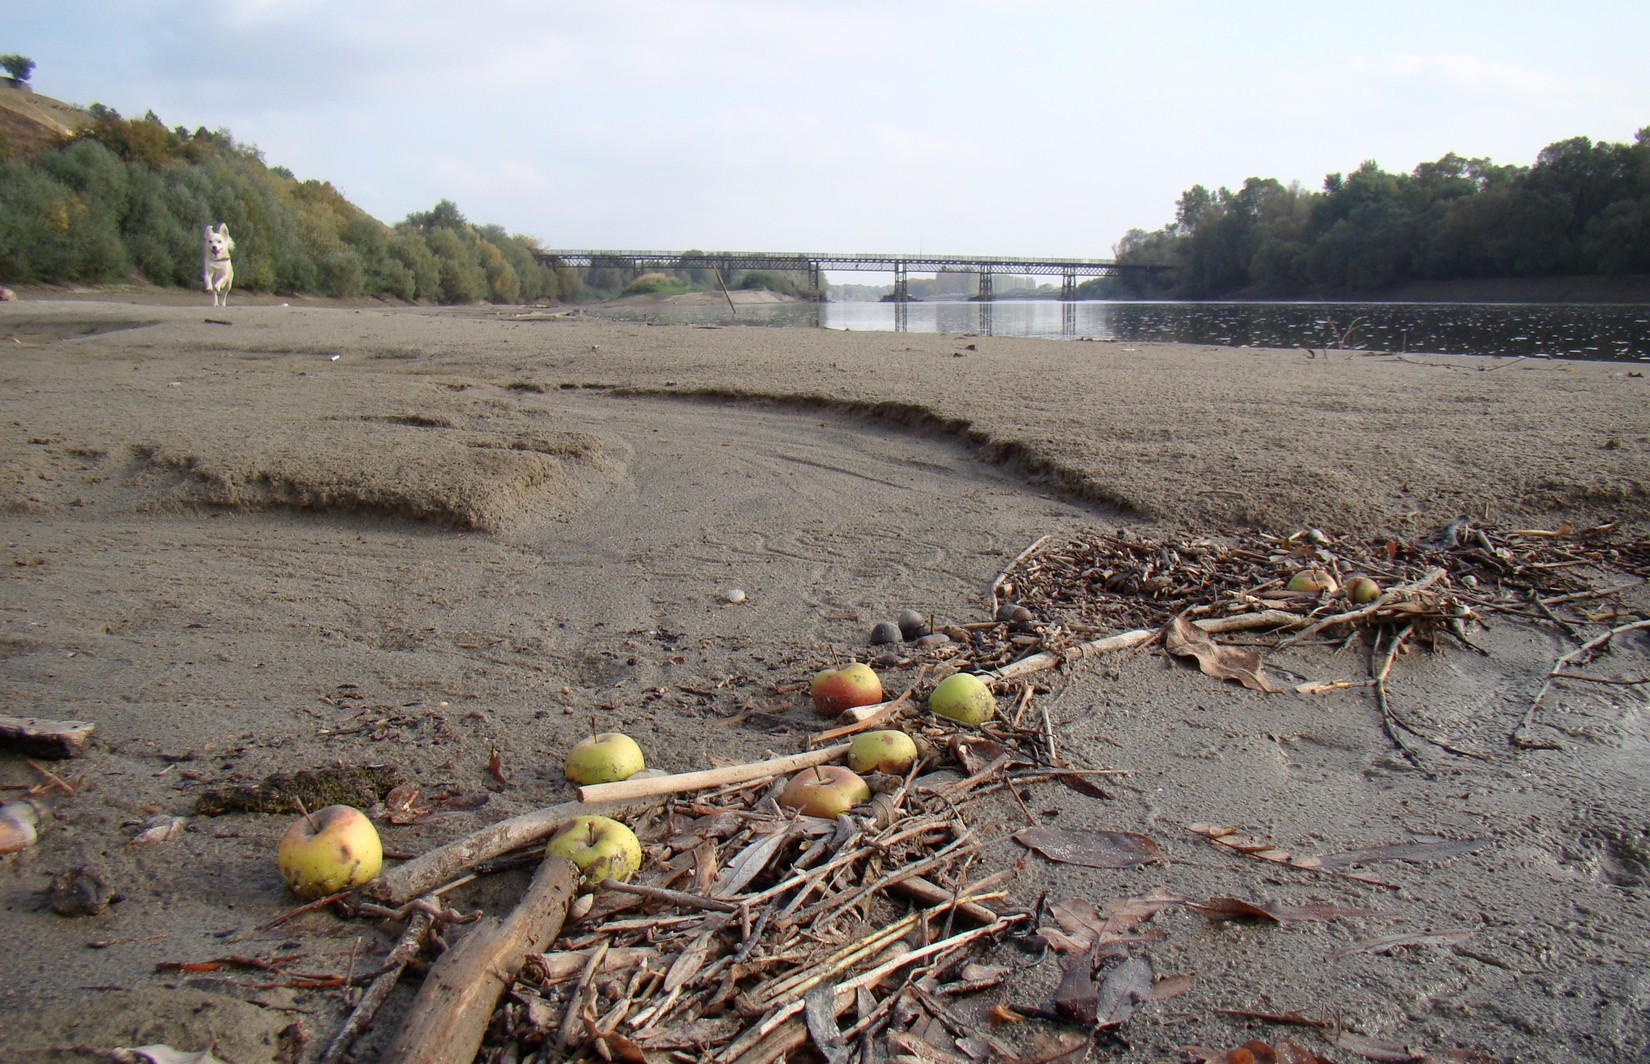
(410, 945)
(659, 786)
(1050, 659)
(445, 863)
(449, 1017)
(36, 737)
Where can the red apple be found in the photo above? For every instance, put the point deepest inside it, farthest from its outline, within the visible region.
(329, 850)
(835, 690)
(888, 751)
(824, 791)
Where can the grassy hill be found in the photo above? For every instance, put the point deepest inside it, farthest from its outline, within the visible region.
(30, 123)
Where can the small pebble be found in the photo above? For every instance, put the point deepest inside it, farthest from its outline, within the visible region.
(933, 639)
(79, 892)
(885, 632)
(912, 625)
(734, 595)
(1010, 611)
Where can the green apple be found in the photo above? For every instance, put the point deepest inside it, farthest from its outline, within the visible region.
(601, 848)
(893, 752)
(835, 690)
(963, 697)
(606, 757)
(1310, 582)
(329, 850)
(1362, 590)
(824, 791)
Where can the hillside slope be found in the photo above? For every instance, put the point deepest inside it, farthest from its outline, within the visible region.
(30, 122)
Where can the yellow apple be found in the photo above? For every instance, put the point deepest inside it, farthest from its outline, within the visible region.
(606, 757)
(963, 697)
(1362, 590)
(1310, 582)
(329, 850)
(889, 751)
(601, 848)
(835, 690)
(825, 791)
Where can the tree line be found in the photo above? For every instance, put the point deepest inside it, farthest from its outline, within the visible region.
(1583, 208)
(125, 200)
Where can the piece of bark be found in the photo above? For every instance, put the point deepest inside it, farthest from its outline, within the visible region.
(445, 863)
(38, 737)
(449, 1016)
(659, 786)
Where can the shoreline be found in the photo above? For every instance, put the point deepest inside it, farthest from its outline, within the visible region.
(445, 539)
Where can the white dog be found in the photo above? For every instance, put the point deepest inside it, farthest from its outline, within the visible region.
(216, 269)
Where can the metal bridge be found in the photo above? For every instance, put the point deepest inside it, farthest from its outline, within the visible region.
(814, 263)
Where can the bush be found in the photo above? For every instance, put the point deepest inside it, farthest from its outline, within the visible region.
(654, 284)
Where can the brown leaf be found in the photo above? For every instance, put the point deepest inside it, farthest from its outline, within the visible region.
(1375, 1049)
(1092, 849)
(1172, 986)
(1123, 989)
(1415, 852)
(1185, 639)
(1389, 943)
(1238, 909)
(495, 766)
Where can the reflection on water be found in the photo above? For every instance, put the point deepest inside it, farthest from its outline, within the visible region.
(1587, 330)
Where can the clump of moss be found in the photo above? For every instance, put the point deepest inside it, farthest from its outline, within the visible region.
(296, 792)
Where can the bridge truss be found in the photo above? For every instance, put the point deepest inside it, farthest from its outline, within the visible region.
(815, 263)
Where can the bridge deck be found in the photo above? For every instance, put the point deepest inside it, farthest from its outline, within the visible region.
(809, 261)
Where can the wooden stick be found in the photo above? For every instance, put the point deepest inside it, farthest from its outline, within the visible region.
(449, 1016)
(1002, 577)
(1574, 657)
(406, 948)
(659, 786)
(424, 873)
(1049, 659)
(37, 737)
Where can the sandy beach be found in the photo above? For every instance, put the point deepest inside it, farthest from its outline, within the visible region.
(270, 538)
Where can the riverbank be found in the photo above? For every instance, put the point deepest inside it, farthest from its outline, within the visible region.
(270, 537)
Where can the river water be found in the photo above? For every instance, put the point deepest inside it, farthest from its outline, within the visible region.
(1600, 331)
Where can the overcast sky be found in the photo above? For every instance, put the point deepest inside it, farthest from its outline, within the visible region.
(1015, 127)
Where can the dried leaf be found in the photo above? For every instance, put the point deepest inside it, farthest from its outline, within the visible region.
(158, 1054)
(1086, 924)
(1415, 852)
(1084, 786)
(495, 767)
(748, 863)
(1077, 998)
(1375, 1049)
(1122, 991)
(1172, 986)
(1238, 909)
(1092, 849)
(819, 1013)
(689, 962)
(158, 828)
(1420, 938)
(1185, 639)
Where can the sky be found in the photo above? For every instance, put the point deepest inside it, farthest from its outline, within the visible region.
(954, 127)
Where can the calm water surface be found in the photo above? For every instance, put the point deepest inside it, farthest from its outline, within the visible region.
(1611, 331)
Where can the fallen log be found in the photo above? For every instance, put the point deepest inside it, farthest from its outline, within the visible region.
(449, 1016)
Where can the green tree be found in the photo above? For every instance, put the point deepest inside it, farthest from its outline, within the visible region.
(18, 66)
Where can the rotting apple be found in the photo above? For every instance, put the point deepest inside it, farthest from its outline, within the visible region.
(605, 757)
(963, 697)
(600, 847)
(835, 690)
(890, 751)
(824, 791)
(329, 850)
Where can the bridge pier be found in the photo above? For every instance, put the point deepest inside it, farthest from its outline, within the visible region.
(985, 286)
(902, 292)
(1068, 287)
